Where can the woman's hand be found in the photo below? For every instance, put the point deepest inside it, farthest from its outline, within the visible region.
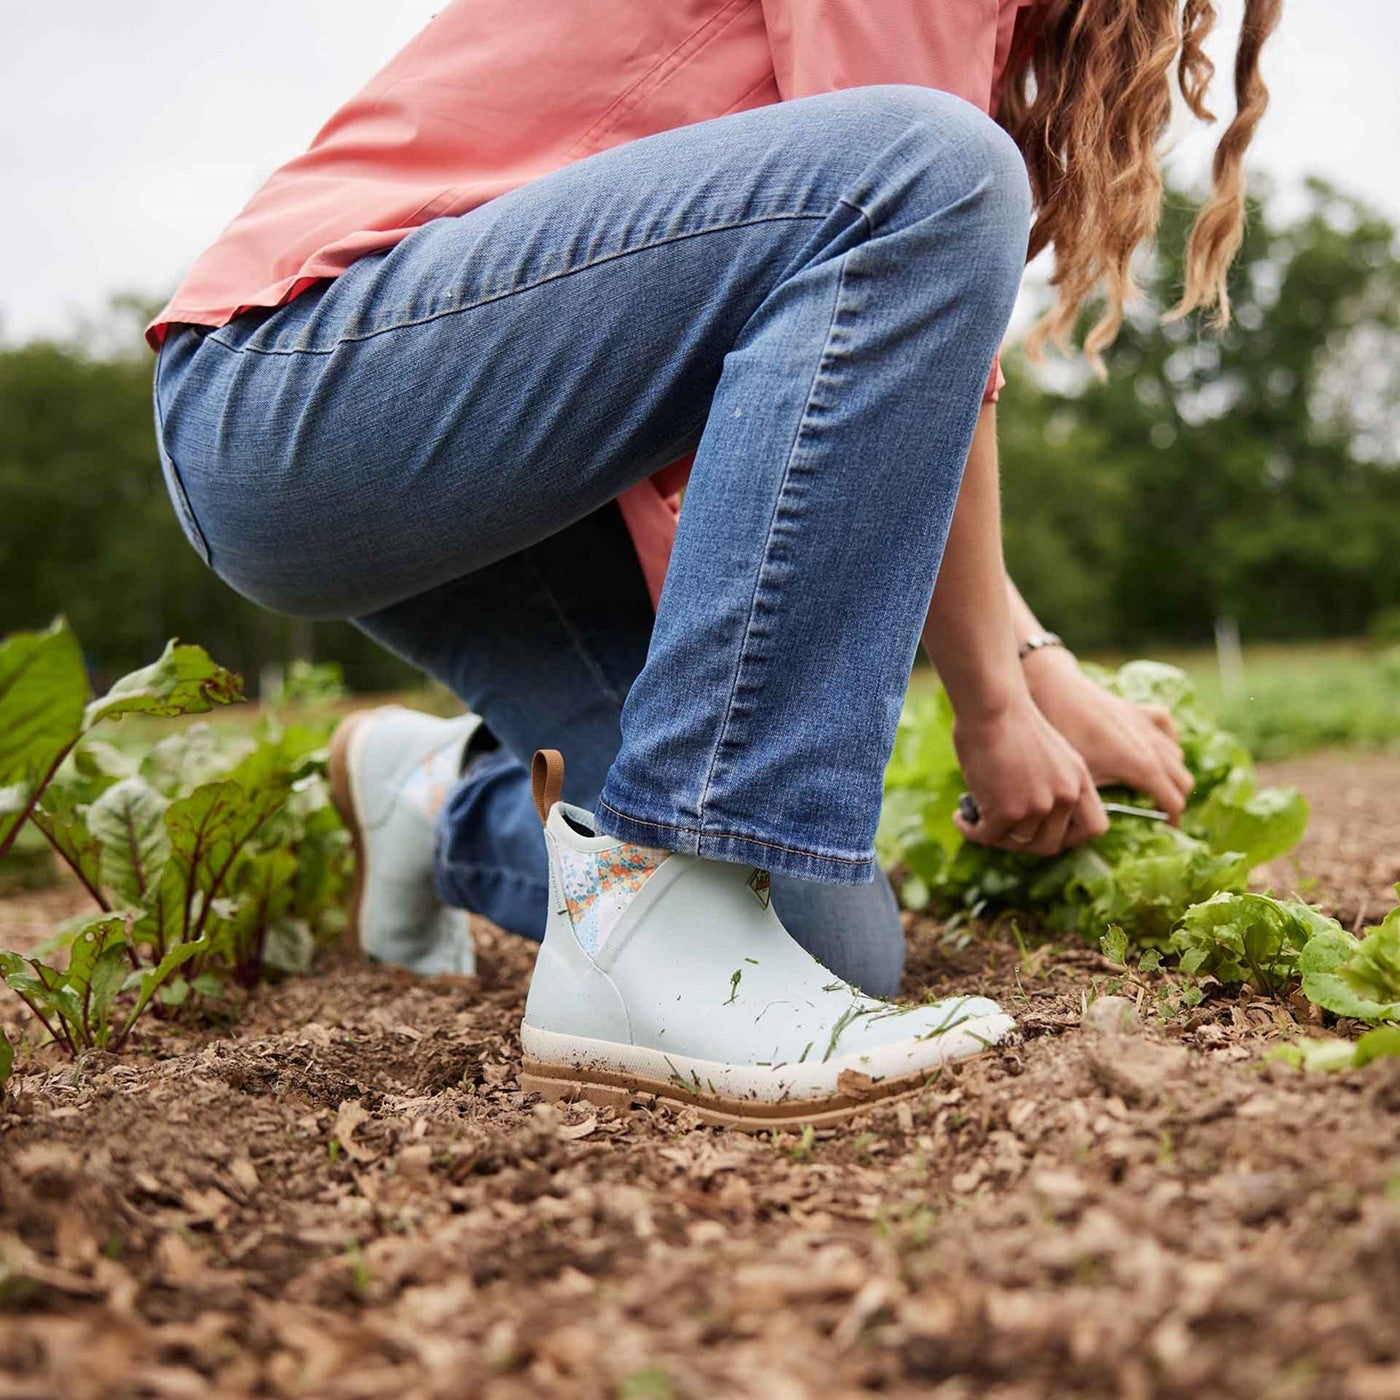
(1133, 745)
(1033, 791)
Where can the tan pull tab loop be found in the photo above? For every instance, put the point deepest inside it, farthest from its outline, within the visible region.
(546, 780)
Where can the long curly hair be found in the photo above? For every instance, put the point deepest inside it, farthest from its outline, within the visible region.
(1088, 97)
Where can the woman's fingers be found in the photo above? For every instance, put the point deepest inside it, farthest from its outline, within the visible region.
(1050, 839)
(1046, 824)
(1176, 772)
(1152, 763)
(1012, 826)
(1161, 717)
(1090, 819)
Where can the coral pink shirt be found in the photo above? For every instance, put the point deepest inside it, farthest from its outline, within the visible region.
(494, 93)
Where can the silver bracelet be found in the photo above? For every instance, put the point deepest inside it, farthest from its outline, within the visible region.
(1035, 643)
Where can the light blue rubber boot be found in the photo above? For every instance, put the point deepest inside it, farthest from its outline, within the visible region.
(699, 997)
(390, 769)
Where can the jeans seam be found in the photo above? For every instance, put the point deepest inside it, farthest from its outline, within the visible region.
(762, 569)
(432, 316)
(734, 836)
(175, 487)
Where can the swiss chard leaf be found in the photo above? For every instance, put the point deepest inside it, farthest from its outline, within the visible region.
(186, 759)
(129, 822)
(147, 981)
(92, 768)
(209, 835)
(266, 887)
(43, 688)
(75, 1004)
(289, 947)
(183, 681)
(65, 823)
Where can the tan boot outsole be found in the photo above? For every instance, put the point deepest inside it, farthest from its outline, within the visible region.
(567, 1084)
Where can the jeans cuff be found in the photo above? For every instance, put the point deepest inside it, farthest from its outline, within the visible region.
(775, 857)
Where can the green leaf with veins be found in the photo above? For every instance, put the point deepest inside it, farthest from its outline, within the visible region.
(1357, 977)
(265, 887)
(209, 834)
(92, 768)
(183, 681)
(149, 980)
(75, 1004)
(43, 688)
(65, 823)
(129, 822)
(1248, 938)
(186, 759)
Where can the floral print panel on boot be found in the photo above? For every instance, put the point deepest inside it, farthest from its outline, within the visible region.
(599, 885)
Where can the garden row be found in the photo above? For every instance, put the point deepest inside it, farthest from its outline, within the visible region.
(212, 861)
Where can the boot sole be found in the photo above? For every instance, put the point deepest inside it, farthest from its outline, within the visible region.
(565, 1083)
(338, 774)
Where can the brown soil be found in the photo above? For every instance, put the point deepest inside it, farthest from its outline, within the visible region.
(1350, 858)
(347, 1196)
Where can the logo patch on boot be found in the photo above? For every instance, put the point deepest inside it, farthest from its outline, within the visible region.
(759, 883)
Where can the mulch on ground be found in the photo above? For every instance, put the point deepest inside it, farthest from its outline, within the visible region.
(346, 1195)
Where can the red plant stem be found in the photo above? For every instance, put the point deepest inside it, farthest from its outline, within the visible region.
(34, 799)
(87, 1001)
(87, 884)
(216, 883)
(44, 1021)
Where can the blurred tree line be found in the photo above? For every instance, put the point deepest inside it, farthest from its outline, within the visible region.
(86, 527)
(1251, 473)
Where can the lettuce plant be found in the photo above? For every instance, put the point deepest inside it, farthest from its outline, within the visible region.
(1140, 875)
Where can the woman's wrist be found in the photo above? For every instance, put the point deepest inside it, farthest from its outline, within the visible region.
(990, 701)
(1048, 658)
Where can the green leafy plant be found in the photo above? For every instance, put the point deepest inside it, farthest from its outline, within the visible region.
(208, 862)
(1277, 945)
(1357, 977)
(1249, 938)
(1141, 876)
(1144, 884)
(1331, 1055)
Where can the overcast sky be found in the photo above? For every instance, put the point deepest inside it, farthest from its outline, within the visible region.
(131, 131)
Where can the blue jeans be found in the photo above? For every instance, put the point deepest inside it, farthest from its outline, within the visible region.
(809, 294)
